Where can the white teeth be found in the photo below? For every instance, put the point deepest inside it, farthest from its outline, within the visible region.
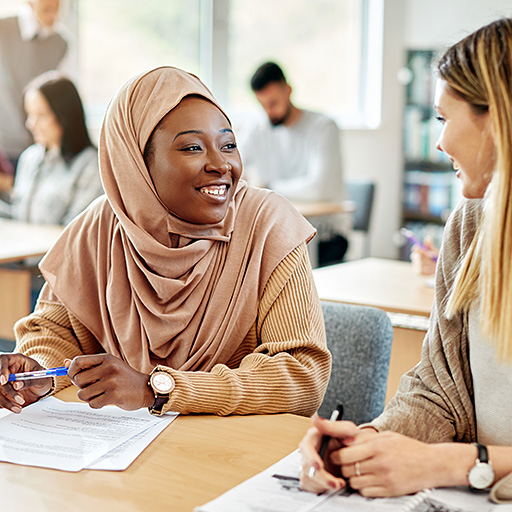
(456, 166)
(214, 190)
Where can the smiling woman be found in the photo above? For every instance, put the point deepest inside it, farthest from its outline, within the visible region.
(202, 161)
(183, 289)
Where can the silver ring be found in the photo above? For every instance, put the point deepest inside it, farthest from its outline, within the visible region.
(358, 469)
(311, 472)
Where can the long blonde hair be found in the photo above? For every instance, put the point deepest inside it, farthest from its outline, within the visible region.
(479, 70)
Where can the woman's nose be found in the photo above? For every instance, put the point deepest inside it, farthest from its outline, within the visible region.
(218, 164)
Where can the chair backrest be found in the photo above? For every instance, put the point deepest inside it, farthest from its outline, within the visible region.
(361, 193)
(359, 339)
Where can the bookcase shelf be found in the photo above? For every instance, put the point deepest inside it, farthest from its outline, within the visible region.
(430, 189)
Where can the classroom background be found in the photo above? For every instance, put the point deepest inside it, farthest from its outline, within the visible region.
(347, 59)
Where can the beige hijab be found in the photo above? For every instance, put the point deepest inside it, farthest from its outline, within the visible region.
(186, 304)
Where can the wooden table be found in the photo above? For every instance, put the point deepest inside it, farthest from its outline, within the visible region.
(389, 285)
(194, 460)
(19, 241)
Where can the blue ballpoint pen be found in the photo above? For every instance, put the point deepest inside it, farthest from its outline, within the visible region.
(39, 374)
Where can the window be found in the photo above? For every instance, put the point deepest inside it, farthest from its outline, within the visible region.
(323, 47)
(330, 50)
(318, 45)
(120, 38)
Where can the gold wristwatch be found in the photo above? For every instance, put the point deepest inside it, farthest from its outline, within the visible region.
(162, 384)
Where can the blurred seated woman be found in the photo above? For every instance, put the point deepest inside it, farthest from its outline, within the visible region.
(57, 177)
(182, 289)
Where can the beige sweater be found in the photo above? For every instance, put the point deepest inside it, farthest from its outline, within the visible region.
(435, 402)
(282, 365)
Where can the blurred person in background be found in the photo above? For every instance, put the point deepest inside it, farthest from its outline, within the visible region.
(296, 152)
(30, 44)
(57, 177)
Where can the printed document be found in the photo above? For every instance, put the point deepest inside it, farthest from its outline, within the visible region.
(71, 436)
(277, 490)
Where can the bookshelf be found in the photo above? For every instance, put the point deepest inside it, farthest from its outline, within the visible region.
(430, 187)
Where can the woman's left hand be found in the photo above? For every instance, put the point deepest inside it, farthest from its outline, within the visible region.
(104, 379)
(390, 464)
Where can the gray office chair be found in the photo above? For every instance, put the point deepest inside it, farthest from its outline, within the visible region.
(361, 193)
(359, 339)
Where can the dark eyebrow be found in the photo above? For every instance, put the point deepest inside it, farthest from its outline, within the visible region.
(224, 130)
(185, 132)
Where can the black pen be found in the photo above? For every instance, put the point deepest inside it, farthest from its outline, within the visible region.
(336, 415)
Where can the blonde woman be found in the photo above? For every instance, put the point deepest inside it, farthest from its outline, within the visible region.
(450, 421)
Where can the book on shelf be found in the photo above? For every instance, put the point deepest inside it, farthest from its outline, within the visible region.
(429, 193)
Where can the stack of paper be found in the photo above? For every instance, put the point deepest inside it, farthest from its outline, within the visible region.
(72, 436)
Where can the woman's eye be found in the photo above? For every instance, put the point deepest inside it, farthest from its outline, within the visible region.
(193, 147)
(230, 146)
(440, 119)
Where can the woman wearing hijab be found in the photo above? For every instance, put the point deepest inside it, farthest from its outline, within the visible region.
(183, 289)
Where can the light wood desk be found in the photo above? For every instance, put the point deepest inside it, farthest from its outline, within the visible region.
(389, 285)
(19, 241)
(192, 461)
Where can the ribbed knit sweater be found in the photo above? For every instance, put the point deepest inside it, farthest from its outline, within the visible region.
(282, 364)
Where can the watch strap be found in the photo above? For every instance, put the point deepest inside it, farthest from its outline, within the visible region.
(483, 456)
(160, 401)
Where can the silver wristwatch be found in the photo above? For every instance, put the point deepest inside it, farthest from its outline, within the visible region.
(481, 475)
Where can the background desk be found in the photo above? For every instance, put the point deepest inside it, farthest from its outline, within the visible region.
(19, 241)
(192, 461)
(389, 285)
(311, 210)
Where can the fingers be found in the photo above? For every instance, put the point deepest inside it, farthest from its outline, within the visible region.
(342, 430)
(10, 399)
(14, 395)
(315, 475)
(319, 480)
(82, 363)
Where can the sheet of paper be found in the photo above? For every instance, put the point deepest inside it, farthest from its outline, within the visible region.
(267, 493)
(67, 435)
(460, 499)
(121, 457)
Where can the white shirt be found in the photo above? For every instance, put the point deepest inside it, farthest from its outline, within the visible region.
(302, 162)
(492, 383)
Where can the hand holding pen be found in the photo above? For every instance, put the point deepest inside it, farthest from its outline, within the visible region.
(318, 473)
(23, 381)
(430, 251)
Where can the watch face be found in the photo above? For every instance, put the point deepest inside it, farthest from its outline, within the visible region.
(481, 475)
(162, 382)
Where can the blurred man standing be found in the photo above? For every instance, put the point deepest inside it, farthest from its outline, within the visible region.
(30, 43)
